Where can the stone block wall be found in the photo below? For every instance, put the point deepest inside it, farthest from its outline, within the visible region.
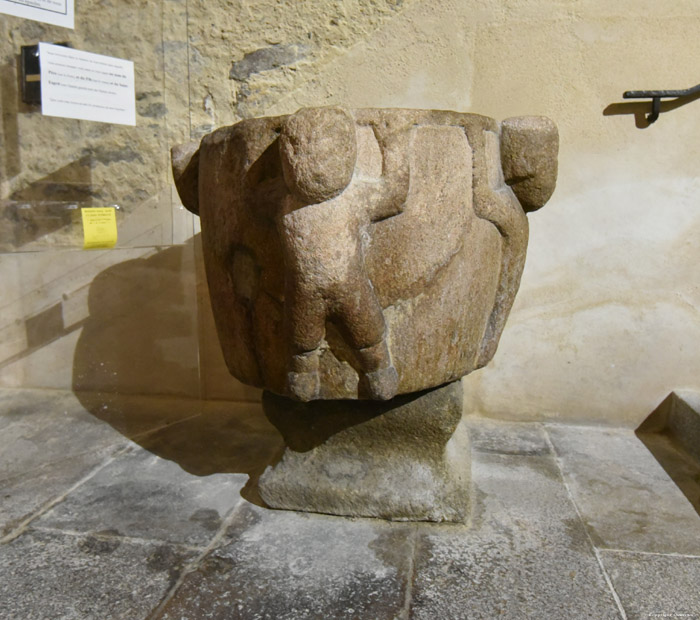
(607, 320)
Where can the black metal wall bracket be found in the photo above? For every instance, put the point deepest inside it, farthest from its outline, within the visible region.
(656, 96)
(31, 73)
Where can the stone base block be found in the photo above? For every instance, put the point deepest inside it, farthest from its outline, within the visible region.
(672, 435)
(407, 459)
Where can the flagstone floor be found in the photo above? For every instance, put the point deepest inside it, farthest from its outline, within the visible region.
(141, 508)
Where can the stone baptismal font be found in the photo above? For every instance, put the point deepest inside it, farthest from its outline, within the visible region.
(360, 262)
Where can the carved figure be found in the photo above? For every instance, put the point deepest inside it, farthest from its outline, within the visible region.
(364, 253)
(325, 275)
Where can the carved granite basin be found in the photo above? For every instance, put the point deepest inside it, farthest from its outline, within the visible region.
(360, 254)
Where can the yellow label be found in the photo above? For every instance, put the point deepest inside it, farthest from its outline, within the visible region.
(99, 227)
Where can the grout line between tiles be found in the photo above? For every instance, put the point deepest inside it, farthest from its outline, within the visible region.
(193, 565)
(601, 427)
(129, 539)
(654, 553)
(19, 530)
(608, 580)
(603, 570)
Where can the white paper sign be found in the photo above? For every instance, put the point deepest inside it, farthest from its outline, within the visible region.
(87, 86)
(56, 12)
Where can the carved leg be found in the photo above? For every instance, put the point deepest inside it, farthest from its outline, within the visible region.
(363, 321)
(305, 321)
(382, 378)
(302, 378)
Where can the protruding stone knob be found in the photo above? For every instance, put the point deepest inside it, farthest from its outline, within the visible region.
(529, 147)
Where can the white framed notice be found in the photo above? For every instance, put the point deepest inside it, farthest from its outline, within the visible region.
(56, 12)
(92, 87)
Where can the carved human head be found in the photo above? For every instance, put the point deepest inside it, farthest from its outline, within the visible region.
(318, 149)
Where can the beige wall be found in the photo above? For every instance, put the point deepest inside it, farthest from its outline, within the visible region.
(607, 320)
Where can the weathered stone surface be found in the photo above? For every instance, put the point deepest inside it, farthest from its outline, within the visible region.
(525, 555)
(54, 575)
(315, 168)
(245, 58)
(25, 495)
(150, 498)
(266, 59)
(291, 566)
(401, 460)
(185, 159)
(529, 147)
(655, 586)
(526, 439)
(40, 428)
(364, 253)
(625, 497)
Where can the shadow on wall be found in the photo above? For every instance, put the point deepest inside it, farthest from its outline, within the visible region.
(136, 367)
(141, 333)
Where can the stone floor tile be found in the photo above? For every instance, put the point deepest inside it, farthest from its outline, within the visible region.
(526, 554)
(50, 575)
(626, 498)
(655, 586)
(39, 427)
(293, 566)
(507, 437)
(23, 495)
(141, 495)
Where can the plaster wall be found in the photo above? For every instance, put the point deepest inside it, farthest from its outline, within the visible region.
(607, 320)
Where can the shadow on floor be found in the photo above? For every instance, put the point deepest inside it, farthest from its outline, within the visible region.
(141, 337)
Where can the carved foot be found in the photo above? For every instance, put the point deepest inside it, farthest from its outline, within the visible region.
(383, 383)
(304, 386)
